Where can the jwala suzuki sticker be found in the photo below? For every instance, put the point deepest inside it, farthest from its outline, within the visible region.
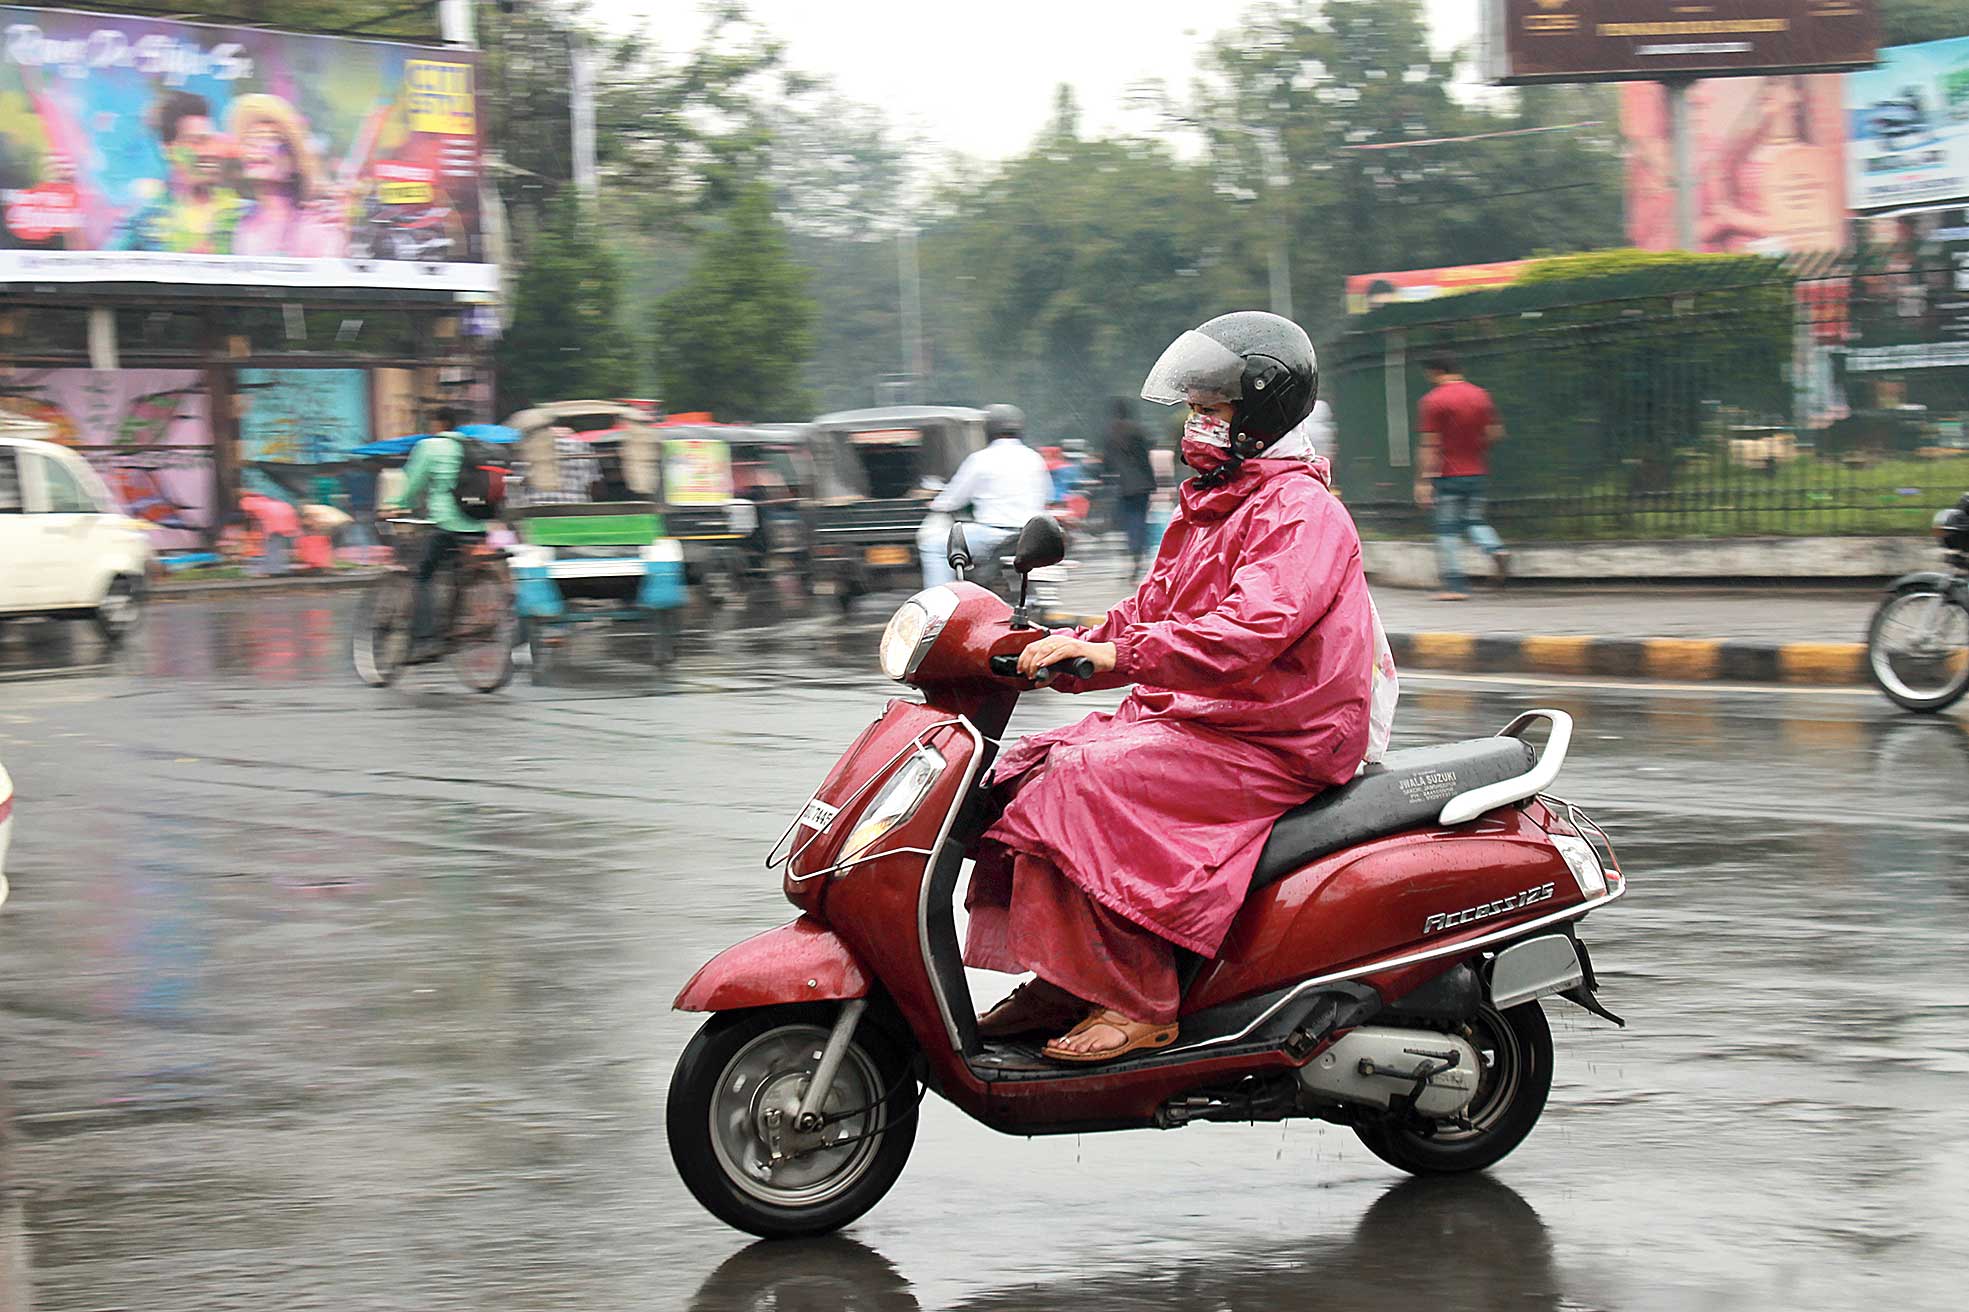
(1450, 920)
(819, 815)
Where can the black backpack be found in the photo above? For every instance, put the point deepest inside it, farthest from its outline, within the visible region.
(481, 488)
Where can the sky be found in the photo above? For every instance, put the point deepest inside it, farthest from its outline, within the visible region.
(977, 76)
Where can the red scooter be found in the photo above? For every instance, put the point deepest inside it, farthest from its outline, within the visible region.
(1384, 973)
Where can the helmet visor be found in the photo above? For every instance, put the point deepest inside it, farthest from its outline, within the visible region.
(1195, 368)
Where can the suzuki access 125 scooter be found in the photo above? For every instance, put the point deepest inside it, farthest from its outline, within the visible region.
(1384, 973)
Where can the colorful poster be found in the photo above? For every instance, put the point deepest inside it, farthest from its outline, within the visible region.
(696, 472)
(137, 150)
(1769, 160)
(1365, 291)
(302, 416)
(1910, 127)
(145, 431)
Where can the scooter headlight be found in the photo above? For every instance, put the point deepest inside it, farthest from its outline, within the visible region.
(1584, 863)
(913, 631)
(896, 802)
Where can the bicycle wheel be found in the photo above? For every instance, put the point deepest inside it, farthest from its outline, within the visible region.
(483, 630)
(380, 642)
(1918, 648)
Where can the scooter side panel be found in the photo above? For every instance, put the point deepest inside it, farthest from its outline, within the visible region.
(801, 961)
(1397, 895)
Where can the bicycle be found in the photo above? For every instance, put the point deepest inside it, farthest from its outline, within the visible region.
(474, 592)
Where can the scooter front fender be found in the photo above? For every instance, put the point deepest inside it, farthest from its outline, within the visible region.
(801, 961)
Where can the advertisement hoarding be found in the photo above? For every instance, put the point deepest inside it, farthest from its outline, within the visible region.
(145, 431)
(1623, 40)
(137, 150)
(1769, 156)
(1365, 291)
(1909, 124)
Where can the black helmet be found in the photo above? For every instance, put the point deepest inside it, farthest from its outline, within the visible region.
(1262, 362)
(1003, 420)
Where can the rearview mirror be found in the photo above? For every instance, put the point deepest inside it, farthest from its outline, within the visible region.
(958, 551)
(1041, 543)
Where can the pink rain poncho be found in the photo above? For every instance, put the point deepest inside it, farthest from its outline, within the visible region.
(1252, 648)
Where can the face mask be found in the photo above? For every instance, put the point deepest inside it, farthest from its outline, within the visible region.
(1206, 443)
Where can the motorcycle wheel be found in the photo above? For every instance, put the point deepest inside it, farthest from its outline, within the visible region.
(1917, 648)
(744, 1066)
(1516, 1049)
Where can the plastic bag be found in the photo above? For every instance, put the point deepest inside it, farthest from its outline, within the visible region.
(1387, 690)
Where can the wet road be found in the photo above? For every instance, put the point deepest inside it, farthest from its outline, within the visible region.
(315, 996)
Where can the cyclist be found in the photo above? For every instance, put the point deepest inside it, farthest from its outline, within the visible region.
(432, 474)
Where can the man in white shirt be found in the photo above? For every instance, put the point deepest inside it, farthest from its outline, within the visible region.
(1005, 485)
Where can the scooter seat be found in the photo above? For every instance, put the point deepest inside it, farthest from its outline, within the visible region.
(1405, 791)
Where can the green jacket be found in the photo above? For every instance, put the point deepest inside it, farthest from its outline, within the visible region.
(432, 474)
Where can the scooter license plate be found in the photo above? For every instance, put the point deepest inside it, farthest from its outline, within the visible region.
(819, 815)
(888, 555)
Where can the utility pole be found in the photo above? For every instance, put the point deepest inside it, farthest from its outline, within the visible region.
(455, 22)
(912, 307)
(581, 111)
(1682, 148)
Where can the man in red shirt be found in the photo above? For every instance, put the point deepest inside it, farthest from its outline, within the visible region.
(1458, 424)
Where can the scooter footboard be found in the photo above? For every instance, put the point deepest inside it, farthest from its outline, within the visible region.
(801, 961)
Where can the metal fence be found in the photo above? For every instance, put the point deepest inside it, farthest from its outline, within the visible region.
(1752, 397)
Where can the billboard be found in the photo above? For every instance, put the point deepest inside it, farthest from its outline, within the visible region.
(1621, 40)
(145, 431)
(1909, 123)
(136, 150)
(1769, 155)
(302, 416)
(1366, 291)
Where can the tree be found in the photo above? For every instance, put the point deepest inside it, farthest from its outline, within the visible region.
(564, 341)
(1903, 22)
(733, 338)
(1313, 108)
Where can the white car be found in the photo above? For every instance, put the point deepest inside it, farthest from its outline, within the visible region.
(6, 827)
(69, 551)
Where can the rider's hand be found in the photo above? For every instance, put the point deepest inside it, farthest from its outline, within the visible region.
(392, 512)
(1057, 647)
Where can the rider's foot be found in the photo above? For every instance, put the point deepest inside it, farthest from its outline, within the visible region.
(1032, 1007)
(1105, 1035)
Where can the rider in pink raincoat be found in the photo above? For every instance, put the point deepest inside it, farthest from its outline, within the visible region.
(1252, 646)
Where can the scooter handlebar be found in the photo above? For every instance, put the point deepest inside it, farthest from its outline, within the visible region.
(1079, 667)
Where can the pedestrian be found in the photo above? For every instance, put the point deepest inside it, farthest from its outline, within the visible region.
(278, 526)
(1458, 424)
(1126, 460)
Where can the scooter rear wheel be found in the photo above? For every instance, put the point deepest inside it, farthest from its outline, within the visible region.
(1516, 1049)
(732, 1102)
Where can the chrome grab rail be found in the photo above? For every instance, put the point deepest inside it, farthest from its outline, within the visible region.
(1468, 806)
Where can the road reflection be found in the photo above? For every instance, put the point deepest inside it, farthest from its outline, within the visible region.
(1469, 1242)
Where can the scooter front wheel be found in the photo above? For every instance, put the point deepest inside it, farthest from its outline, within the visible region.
(731, 1120)
(1515, 1048)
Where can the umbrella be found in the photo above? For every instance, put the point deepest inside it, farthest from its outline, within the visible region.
(395, 447)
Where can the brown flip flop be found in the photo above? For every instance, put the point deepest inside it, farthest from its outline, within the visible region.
(1137, 1035)
(1027, 1009)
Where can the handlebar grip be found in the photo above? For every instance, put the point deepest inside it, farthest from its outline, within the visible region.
(1079, 667)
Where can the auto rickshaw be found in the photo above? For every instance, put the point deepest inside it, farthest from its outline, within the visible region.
(773, 467)
(878, 470)
(702, 503)
(607, 561)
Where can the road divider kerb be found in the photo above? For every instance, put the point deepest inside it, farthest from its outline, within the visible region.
(1669, 660)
